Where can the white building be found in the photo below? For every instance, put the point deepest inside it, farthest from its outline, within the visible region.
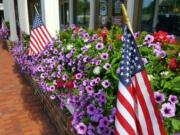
(144, 14)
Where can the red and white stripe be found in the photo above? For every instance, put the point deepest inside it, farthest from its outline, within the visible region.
(39, 38)
(137, 112)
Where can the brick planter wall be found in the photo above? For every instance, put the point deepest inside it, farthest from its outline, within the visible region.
(61, 119)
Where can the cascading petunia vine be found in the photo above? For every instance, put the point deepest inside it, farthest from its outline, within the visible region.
(81, 68)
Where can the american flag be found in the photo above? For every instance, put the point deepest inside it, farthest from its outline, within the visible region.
(137, 112)
(39, 37)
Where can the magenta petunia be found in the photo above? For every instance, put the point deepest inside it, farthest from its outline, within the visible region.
(173, 99)
(107, 66)
(106, 83)
(159, 97)
(81, 128)
(99, 46)
(78, 76)
(168, 110)
(104, 56)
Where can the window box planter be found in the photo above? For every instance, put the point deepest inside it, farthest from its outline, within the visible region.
(61, 119)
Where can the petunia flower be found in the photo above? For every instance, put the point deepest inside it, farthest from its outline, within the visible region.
(168, 110)
(149, 39)
(145, 61)
(81, 128)
(104, 56)
(78, 76)
(52, 97)
(159, 97)
(91, 109)
(99, 46)
(106, 83)
(173, 99)
(89, 89)
(104, 122)
(107, 66)
(97, 70)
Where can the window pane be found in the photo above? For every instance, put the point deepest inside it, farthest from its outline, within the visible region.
(82, 12)
(147, 15)
(168, 18)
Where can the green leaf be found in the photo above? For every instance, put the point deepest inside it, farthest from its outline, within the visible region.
(176, 124)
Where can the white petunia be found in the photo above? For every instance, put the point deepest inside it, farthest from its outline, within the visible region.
(69, 46)
(97, 70)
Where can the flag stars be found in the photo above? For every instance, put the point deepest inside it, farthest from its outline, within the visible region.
(139, 66)
(127, 80)
(127, 68)
(129, 35)
(122, 73)
(136, 58)
(127, 74)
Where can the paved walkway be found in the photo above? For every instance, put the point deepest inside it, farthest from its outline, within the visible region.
(20, 111)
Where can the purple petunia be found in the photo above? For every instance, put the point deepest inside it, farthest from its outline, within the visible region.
(107, 66)
(81, 128)
(168, 110)
(149, 39)
(91, 109)
(93, 82)
(104, 122)
(106, 84)
(99, 46)
(173, 99)
(145, 61)
(64, 77)
(89, 89)
(52, 97)
(78, 76)
(104, 56)
(98, 62)
(85, 82)
(97, 80)
(159, 97)
(50, 88)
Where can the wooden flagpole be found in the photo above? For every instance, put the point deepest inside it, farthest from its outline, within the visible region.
(126, 17)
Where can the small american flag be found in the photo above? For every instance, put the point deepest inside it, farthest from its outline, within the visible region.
(39, 37)
(137, 112)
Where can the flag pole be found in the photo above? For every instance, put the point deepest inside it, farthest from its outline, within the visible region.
(126, 17)
(36, 9)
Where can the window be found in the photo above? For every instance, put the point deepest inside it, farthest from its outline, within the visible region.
(168, 18)
(161, 15)
(147, 15)
(64, 13)
(82, 12)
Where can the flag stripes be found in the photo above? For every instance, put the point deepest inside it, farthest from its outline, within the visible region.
(39, 37)
(137, 112)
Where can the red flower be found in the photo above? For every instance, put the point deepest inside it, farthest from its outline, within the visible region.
(59, 84)
(69, 85)
(173, 64)
(172, 41)
(161, 36)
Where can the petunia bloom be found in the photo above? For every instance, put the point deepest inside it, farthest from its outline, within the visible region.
(81, 128)
(99, 46)
(159, 97)
(104, 56)
(173, 99)
(106, 83)
(168, 110)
